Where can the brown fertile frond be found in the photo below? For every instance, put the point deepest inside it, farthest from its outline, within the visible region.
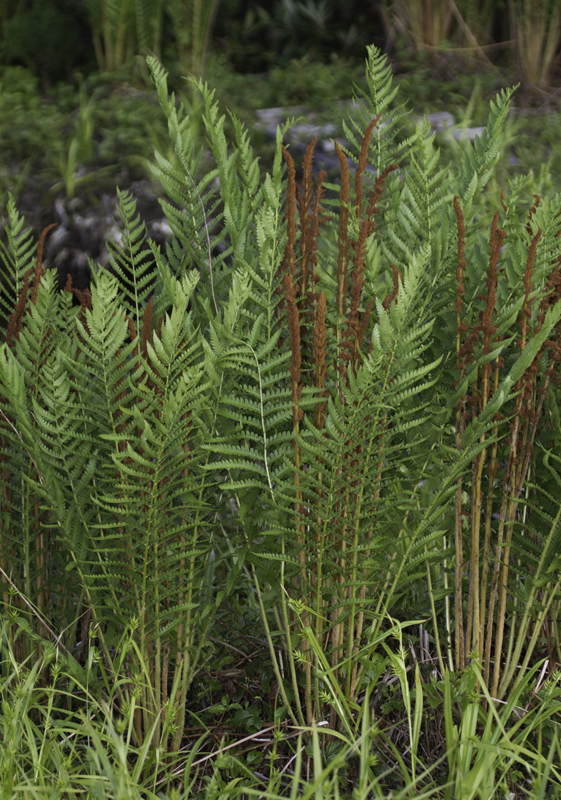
(460, 290)
(14, 322)
(468, 347)
(374, 198)
(305, 197)
(320, 192)
(296, 355)
(312, 233)
(362, 163)
(393, 294)
(320, 341)
(307, 239)
(532, 211)
(303, 200)
(290, 211)
(343, 239)
(84, 296)
(378, 190)
(496, 242)
(503, 201)
(367, 227)
(39, 269)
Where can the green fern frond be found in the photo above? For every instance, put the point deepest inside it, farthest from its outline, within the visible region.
(17, 256)
(480, 160)
(130, 261)
(384, 147)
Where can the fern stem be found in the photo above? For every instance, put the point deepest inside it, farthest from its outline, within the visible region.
(524, 466)
(493, 468)
(434, 619)
(524, 624)
(278, 675)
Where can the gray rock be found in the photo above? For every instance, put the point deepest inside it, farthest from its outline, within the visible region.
(269, 118)
(83, 231)
(443, 122)
(304, 133)
(465, 134)
(439, 121)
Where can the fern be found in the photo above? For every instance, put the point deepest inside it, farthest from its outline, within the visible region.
(198, 199)
(375, 418)
(109, 496)
(479, 161)
(385, 148)
(17, 258)
(133, 265)
(367, 379)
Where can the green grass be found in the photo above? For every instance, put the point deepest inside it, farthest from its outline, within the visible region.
(63, 734)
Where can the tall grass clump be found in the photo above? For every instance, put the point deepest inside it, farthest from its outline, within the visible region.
(368, 373)
(424, 25)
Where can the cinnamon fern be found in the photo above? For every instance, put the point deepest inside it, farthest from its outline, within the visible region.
(105, 513)
(366, 370)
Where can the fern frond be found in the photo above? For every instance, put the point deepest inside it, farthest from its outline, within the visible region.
(130, 261)
(17, 258)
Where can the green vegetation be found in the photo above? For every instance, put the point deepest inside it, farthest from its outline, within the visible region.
(280, 505)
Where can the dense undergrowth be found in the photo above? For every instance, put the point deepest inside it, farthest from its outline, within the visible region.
(279, 508)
